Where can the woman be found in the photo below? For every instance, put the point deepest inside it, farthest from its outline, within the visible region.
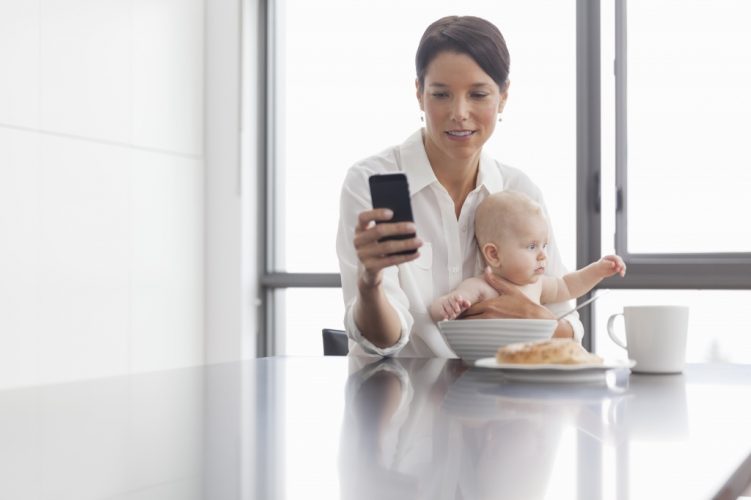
(462, 85)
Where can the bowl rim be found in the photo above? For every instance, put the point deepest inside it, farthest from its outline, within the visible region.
(541, 321)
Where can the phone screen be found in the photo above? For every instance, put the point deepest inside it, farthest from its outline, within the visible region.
(392, 191)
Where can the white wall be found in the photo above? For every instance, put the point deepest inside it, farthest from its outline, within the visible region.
(101, 188)
(233, 145)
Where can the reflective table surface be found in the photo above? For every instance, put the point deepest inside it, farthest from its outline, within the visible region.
(355, 428)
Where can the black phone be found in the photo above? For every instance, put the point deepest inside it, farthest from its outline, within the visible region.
(392, 191)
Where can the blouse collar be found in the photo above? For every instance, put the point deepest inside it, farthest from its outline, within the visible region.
(415, 163)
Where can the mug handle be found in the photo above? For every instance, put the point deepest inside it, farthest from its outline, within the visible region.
(611, 333)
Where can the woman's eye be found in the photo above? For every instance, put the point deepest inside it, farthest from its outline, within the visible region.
(479, 95)
(440, 95)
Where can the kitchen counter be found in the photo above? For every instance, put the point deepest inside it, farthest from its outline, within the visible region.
(362, 428)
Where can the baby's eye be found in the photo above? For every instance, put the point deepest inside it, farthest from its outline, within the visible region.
(532, 246)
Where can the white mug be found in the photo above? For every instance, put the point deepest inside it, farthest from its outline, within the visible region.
(655, 337)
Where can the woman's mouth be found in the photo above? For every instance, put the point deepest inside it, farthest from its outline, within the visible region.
(459, 135)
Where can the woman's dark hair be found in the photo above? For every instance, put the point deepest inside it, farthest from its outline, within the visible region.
(473, 36)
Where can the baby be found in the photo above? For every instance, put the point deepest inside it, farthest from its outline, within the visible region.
(512, 233)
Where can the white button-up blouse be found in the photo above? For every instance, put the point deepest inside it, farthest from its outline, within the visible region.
(449, 253)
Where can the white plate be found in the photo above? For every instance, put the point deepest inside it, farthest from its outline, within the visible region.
(554, 372)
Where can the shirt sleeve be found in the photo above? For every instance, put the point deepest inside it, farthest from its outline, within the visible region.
(355, 198)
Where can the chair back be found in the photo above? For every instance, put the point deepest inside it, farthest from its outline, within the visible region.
(335, 342)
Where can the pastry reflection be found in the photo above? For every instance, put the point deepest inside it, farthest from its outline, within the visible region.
(488, 394)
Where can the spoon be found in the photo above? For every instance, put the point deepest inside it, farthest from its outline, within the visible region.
(585, 303)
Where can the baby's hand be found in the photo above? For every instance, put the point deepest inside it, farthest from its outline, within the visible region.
(453, 305)
(612, 264)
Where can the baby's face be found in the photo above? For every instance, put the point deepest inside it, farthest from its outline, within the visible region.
(523, 251)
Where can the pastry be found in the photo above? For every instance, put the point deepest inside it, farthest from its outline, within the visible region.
(551, 351)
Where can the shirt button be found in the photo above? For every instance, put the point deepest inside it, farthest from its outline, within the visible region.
(464, 229)
(453, 269)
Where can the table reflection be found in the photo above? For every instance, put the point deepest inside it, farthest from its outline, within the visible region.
(439, 429)
(390, 446)
(659, 409)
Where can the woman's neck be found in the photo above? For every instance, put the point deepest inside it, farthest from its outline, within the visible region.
(457, 175)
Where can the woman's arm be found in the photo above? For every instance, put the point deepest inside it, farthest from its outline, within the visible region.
(376, 309)
(374, 315)
(512, 303)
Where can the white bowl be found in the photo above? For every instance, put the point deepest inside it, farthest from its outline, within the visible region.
(472, 339)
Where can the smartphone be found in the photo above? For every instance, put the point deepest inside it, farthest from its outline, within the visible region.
(392, 191)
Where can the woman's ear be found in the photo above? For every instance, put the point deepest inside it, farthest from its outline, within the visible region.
(504, 96)
(492, 257)
(418, 93)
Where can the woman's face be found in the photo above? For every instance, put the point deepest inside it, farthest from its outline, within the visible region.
(461, 104)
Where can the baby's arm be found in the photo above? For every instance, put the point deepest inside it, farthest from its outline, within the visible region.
(452, 304)
(578, 283)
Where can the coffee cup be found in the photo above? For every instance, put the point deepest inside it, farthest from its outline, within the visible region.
(655, 337)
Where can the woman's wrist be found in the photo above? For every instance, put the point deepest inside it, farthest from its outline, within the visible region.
(368, 289)
(538, 311)
(564, 330)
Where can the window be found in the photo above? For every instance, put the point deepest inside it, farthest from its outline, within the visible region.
(343, 85)
(673, 129)
(342, 88)
(681, 158)
(686, 111)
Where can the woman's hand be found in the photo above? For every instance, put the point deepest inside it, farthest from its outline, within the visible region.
(376, 255)
(510, 303)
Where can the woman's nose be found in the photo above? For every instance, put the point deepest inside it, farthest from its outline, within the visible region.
(460, 110)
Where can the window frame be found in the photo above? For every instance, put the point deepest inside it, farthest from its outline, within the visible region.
(659, 270)
(271, 207)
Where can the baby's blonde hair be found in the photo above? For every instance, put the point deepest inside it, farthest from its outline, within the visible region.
(503, 213)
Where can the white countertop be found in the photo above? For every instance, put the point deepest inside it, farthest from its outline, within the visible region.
(343, 428)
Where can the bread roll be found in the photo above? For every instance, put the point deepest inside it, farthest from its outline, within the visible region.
(542, 352)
